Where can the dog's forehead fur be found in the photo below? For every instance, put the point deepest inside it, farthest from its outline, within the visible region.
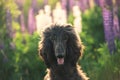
(56, 29)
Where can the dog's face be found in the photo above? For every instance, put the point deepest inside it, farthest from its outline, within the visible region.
(60, 45)
(59, 40)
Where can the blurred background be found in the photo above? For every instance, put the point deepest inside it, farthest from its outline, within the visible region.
(21, 23)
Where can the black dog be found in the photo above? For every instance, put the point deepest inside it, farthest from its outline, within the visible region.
(60, 48)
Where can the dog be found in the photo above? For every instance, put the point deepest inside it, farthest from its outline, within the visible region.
(60, 48)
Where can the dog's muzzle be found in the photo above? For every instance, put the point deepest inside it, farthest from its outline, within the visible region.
(60, 59)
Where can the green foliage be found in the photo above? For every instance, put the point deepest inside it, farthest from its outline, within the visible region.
(26, 57)
(119, 13)
(40, 3)
(2, 21)
(23, 60)
(52, 3)
(109, 63)
(4, 5)
(11, 5)
(92, 36)
(97, 61)
(19, 58)
(26, 7)
(70, 18)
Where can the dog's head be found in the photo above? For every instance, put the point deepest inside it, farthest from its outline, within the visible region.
(60, 45)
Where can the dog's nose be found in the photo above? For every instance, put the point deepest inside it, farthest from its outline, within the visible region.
(60, 56)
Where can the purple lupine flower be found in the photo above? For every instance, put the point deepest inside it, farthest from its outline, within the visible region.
(97, 2)
(31, 21)
(20, 19)
(34, 6)
(108, 24)
(20, 3)
(22, 22)
(63, 3)
(84, 4)
(118, 7)
(71, 3)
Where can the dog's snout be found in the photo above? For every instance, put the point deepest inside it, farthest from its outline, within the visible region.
(59, 50)
(60, 56)
(60, 53)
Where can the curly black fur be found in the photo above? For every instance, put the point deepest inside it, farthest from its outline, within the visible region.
(61, 42)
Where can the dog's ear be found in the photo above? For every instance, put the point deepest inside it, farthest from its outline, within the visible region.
(78, 53)
(42, 54)
(74, 45)
(74, 52)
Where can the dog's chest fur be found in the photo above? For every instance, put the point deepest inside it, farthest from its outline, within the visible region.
(65, 74)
